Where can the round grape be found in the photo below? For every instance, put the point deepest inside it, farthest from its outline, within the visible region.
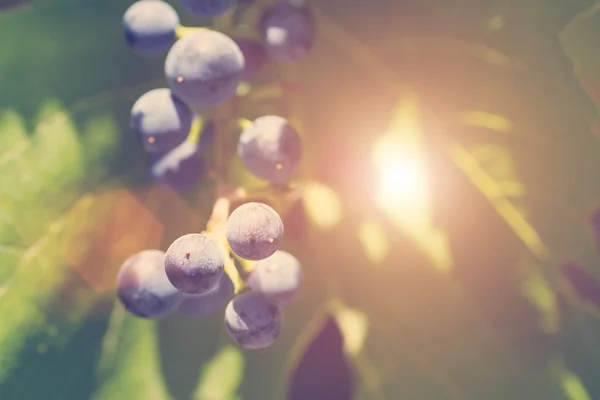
(180, 168)
(253, 320)
(210, 302)
(277, 276)
(254, 56)
(270, 148)
(204, 69)
(143, 287)
(194, 264)
(254, 231)
(207, 8)
(160, 120)
(150, 26)
(287, 31)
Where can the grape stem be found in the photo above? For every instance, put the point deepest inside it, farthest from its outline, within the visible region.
(183, 31)
(216, 228)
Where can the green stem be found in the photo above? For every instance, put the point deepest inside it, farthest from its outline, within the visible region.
(183, 31)
(216, 228)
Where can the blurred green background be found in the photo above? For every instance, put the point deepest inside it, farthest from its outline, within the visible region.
(453, 290)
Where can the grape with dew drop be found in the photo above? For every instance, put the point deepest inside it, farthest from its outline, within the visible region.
(194, 263)
(254, 231)
(143, 287)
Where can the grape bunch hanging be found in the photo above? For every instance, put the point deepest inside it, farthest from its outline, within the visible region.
(235, 264)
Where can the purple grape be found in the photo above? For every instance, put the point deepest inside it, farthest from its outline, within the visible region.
(277, 276)
(253, 320)
(287, 31)
(204, 69)
(150, 26)
(143, 287)
(160, 120)
(208, 303)
(270, 148)
(180, 168)
(207, 8)
(254, 231)
(254, 56)
(194, 264)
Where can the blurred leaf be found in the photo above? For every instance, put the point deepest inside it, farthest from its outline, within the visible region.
(45, 174)
(581, 286)
(322, 204)
(573, 387)
(130, 365)
(354, 326)
(540, 291)
(221, 376)
(374, 241)
(103, 231)
(324, 353)
(482, 119)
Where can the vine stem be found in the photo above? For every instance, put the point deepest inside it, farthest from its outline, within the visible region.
(216, 228)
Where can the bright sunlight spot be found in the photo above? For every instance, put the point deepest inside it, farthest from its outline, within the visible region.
(403, 192)
(401, 173)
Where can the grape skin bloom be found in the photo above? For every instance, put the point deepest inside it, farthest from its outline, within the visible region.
(204, 69)
(150, 26)
(160, 120)
(143, 287)
(253, 320)
(270, 148)
(194, 263)
(207, 8)
(287, 32)
(254, 231)
(210, 302)
(277, 276)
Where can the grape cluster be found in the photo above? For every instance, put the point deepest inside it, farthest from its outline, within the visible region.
(198, 276)
(190, 277)
(203, 70)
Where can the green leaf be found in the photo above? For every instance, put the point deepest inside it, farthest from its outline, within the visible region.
(221, 376)
(130, 364)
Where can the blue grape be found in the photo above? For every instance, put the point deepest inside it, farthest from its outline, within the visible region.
(277, 276)
(254, 56)
(270, 148)
(208, 303)
(160, 120)
(180, 168)
(253, 320)
(254, 231)
(194, 264)
(143, 287)
(150, 26)
(287, 31)
(204, 69)
(207, 8)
